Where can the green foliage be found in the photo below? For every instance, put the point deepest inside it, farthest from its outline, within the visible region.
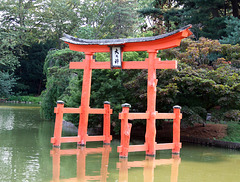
(204, 53)
(207, 17)
(61, 58)
(201, 83)
(32, 99)
(232, 31)
(7, 81)
(155, 14)
(58, 74)
(232, 115)
(30, 71)
(8, 58)
(193, 115)
(233, 131)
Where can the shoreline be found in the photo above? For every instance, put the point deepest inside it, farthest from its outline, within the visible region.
(211, 142)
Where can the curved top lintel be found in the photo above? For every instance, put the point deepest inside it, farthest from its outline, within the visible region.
(158, 42)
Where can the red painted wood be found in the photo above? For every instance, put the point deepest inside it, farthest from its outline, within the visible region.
(72, 110)
(106, 124)
(164, 146)
(151, 104)
(135, 115)
(96, 111)
(127, 65)
(95, 138)
(165, 43)
(69, 139)
(85, 98)
(176, 131)
(58, 125)
(165, 116)
(125, 132)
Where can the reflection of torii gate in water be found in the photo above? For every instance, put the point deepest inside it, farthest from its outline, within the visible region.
(117, 47)
(81, 154)
(148, 165)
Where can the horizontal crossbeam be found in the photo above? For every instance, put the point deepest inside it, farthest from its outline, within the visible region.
(78, 110)
(147, 115)
(125, 65)
(138, 148)
(66, 139)
(76, 139)
(95, 138)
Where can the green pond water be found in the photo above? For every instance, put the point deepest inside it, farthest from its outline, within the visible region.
(27, 155)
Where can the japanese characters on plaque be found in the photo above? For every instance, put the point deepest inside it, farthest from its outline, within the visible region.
(116, 57)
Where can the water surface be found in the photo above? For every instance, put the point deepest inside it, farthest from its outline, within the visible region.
(27, 155)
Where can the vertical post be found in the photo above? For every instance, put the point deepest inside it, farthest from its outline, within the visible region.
(176, 130)
(106, 123)
(56, 164)
(85, 99)
(125, 130)
(151, 104)
(175, 168)
(58, 124)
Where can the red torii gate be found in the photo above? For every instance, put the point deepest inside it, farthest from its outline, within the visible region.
(149, 44)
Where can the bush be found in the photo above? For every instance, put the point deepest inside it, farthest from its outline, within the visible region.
(32, 99)
(232, 115)
(233, 131)
(56, 68)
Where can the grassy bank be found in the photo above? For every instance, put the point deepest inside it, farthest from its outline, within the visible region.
(31, 99)
(233, 132)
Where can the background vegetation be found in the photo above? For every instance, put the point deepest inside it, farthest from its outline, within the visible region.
(34, 61)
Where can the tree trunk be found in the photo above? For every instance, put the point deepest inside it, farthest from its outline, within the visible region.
(235, 8)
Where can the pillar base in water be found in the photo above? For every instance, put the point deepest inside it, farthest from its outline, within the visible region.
(123, 157)
(56, 146)
(176, 153)
(151, 155)
(106, 143)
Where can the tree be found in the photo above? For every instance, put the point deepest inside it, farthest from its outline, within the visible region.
(58, 74)
(58, 17)
(207, 17)
(30, 72)
(232, 31)
(123, 19)
(7, 82)
(108, 18)
(155, 14)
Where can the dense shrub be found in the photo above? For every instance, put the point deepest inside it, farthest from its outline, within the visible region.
(58, 75)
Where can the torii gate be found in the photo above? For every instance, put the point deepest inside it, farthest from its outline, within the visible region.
(117, 47)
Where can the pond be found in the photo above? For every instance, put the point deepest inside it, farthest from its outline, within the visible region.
(27, 155)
